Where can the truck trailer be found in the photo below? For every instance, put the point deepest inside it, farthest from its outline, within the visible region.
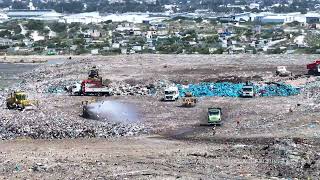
(90, 87)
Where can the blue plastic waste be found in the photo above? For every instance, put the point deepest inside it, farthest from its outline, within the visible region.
(227, 89)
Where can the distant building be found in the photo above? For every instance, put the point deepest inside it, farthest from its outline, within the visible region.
(279, 18)
(3, 17)
(50, 16)
(312, 18)
(85, 18)
(254, 6)
(27, 14)
(242, 17)
(5, 42)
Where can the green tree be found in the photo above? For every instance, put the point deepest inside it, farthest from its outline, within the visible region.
(79, 41)
(58, 27)
(211, 39)
(5, 34)
(13, 26)
(35, 25)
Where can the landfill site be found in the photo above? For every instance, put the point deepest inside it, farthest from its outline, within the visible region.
(163, 117)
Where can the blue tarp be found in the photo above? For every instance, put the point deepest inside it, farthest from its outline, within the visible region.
(226, 89)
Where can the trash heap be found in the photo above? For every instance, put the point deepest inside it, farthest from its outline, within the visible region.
(312, 91)
(227, 89)
(277, 90)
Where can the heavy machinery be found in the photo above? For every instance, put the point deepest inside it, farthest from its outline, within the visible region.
(214, 116)
(314, 68)
(189, 100)
(91, 86)
(247, 91)
(86, 109)
(282, 71)
(171, 93)
(19, 100)
(94, 73)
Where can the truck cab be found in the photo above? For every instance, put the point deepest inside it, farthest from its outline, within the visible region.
(247, 91)
(214, 116)
(314, 68)
(171, 94)
(75, 89)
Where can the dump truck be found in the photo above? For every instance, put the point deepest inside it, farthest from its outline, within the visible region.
(247, 91)
(19, 100)
(214, 116)
(93, 85)
(314, 68)
(171, 93)
(282, 71)
(189, 100)
(90, 87)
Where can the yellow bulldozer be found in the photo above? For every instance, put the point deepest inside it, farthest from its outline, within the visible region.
(19, 100)
(189, 100)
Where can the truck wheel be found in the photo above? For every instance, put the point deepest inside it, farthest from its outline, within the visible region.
(9, 106)
(310, 72)
(20, 107)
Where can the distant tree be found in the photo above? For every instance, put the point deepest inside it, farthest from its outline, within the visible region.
(198, 20)
(211, 39)
(79, 41)
(19, 5)
(5, 34)
(70, 7)
(203, 50)
(35, 25)
(5, 3)
(294, 24)
(313, 40)
(18, 37)
(137, 40)
(58, 27)
(13, 26)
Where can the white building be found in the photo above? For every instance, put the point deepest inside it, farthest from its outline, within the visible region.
(86, 18)
(3, 17)
(51, 16)
(254, 6)
(27, 14)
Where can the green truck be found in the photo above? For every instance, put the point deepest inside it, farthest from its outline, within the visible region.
(214, 116)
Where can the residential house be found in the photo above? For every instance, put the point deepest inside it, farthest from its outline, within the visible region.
(6, 42)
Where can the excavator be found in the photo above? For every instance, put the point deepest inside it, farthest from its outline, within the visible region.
(94, 74)
(19, 100)
(189, 100)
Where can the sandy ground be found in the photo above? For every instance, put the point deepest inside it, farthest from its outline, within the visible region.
(177, 146)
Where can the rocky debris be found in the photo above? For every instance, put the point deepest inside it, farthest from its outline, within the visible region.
(58, 127)
(39, 167)
(291, 158)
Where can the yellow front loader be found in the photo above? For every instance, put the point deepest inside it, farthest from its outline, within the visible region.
(19, 100)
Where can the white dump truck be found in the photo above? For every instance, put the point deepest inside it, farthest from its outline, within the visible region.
(248, 91)
(171, 93)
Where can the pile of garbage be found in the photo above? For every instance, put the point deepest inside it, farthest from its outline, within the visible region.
(227, 89)
(278, 89)
(290, 158)
(59, 126)
(312, 91)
